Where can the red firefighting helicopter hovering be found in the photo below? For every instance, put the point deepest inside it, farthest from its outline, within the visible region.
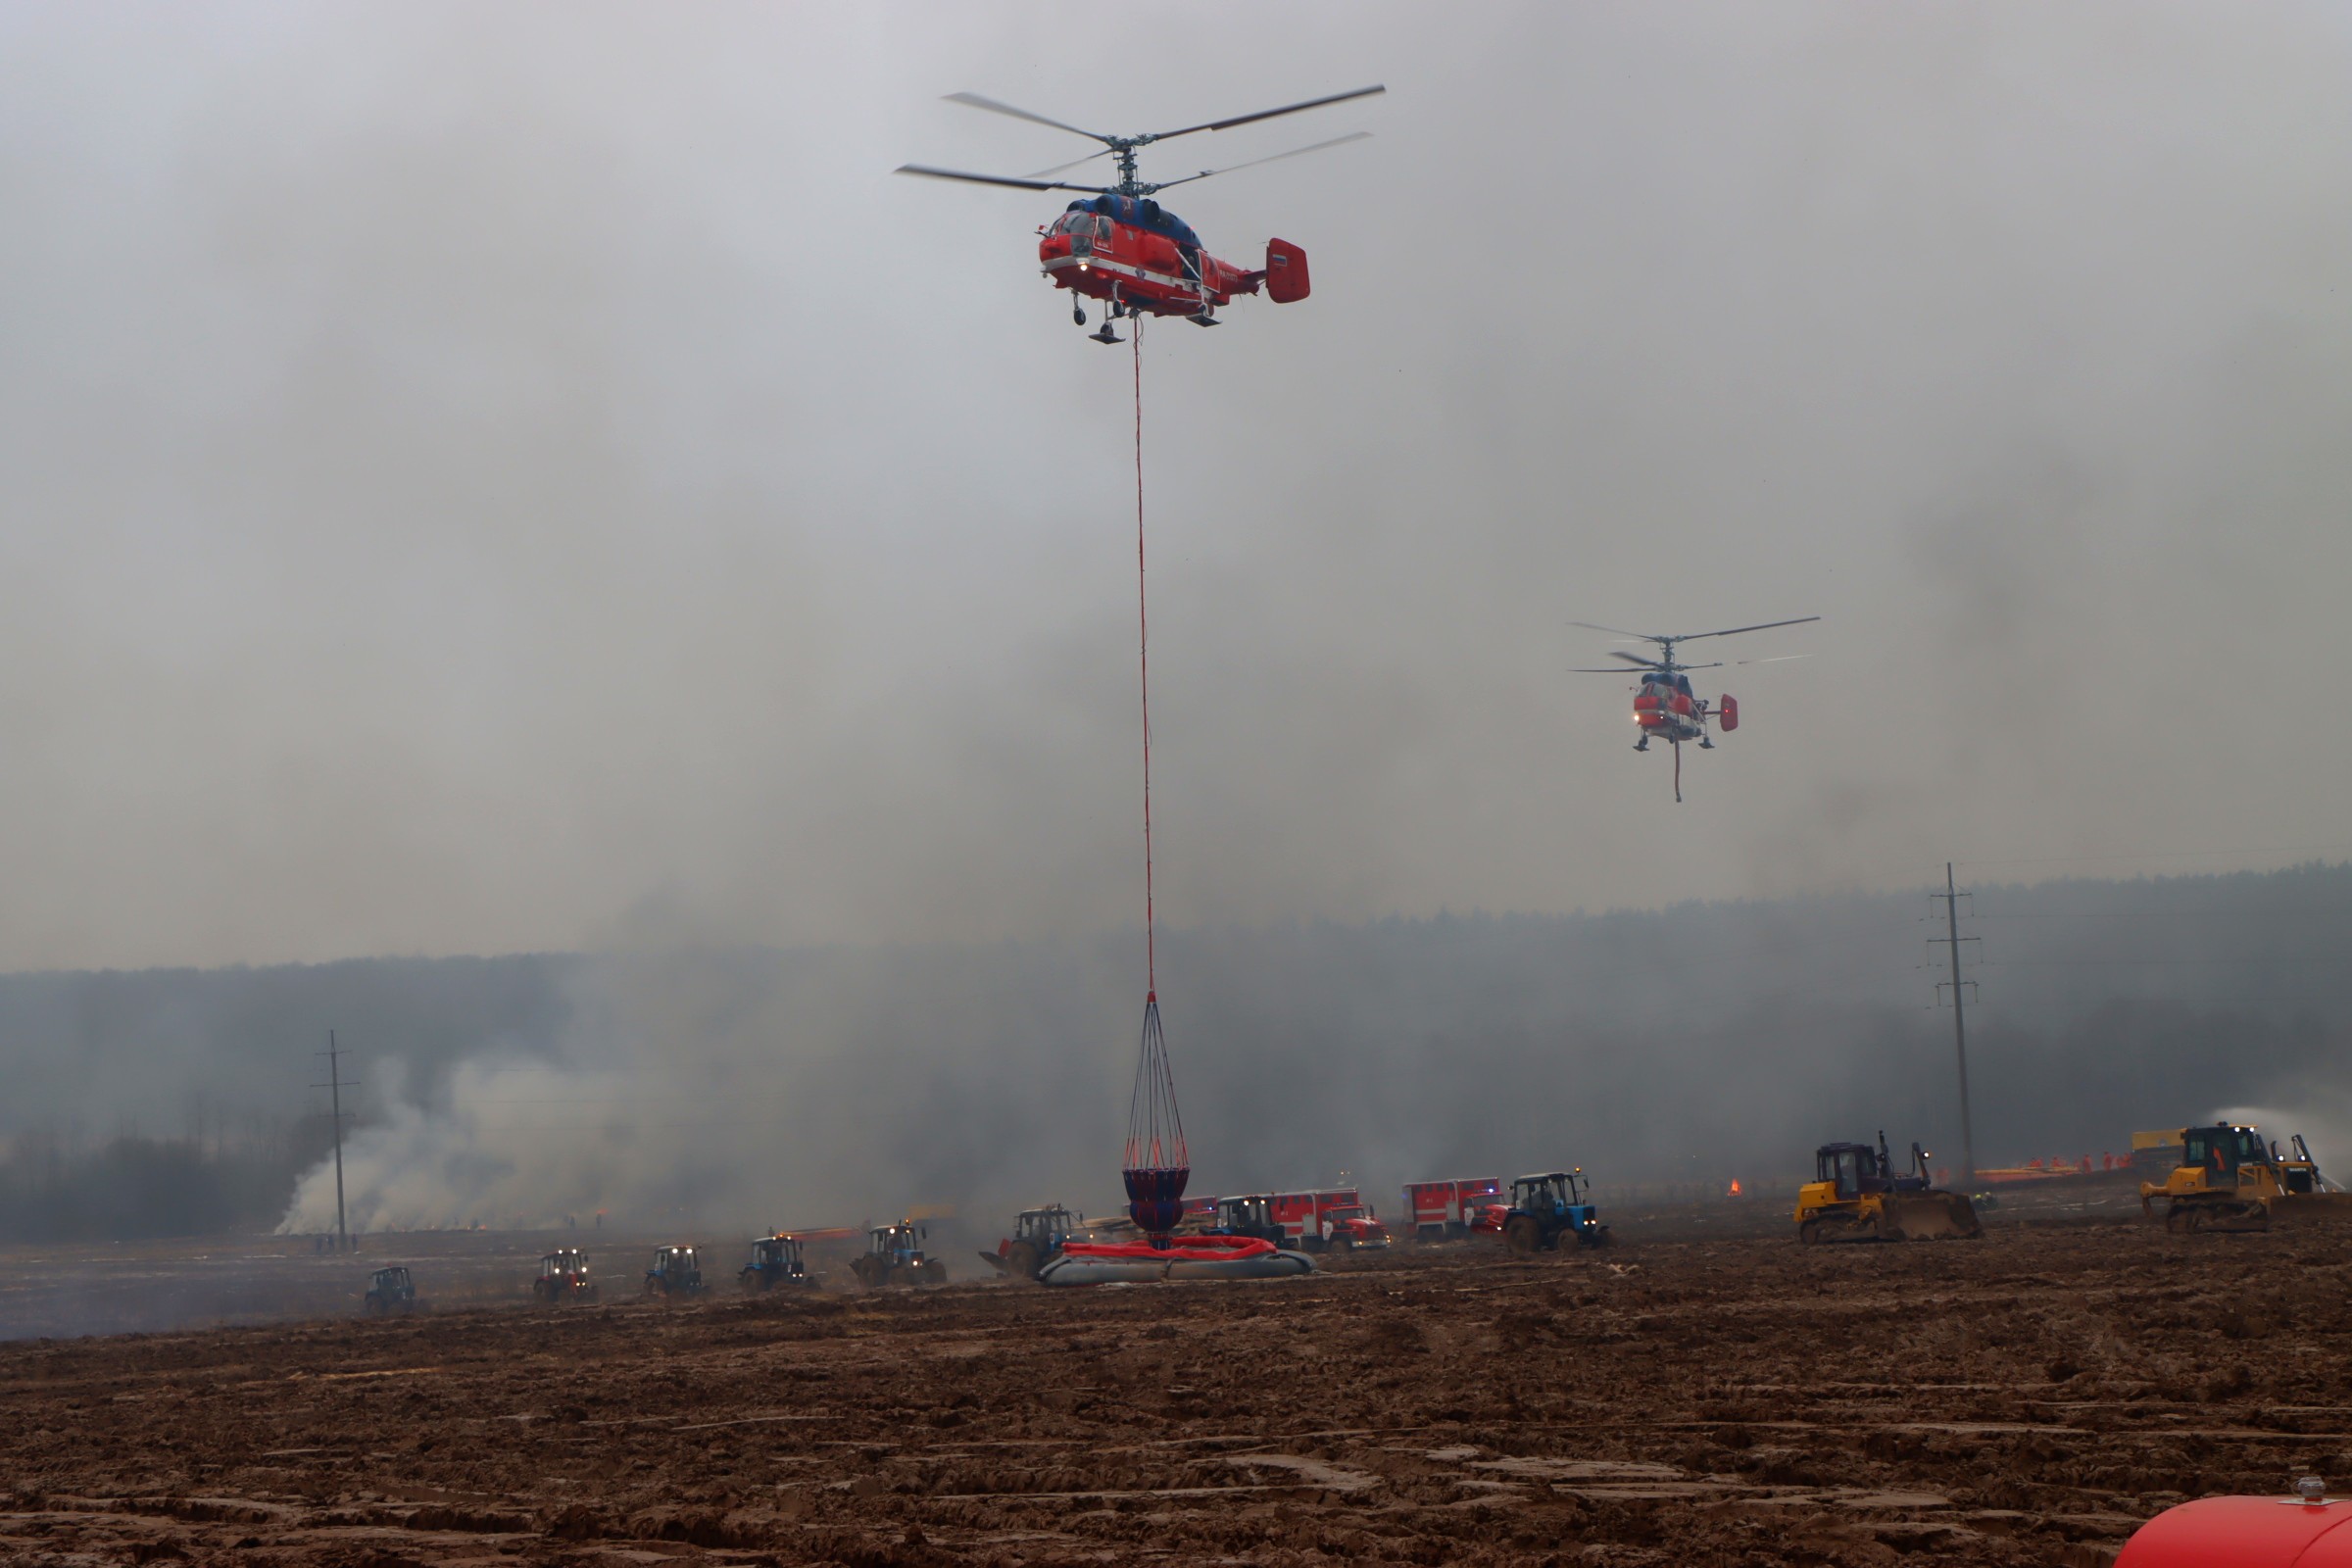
(1122, 247)
(1663, 704)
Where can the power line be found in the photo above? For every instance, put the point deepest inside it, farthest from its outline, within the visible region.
(334, 1087)
(1951, 897)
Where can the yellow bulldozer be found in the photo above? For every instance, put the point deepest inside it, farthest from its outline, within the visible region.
(2225, 1178)
(1858, 1196)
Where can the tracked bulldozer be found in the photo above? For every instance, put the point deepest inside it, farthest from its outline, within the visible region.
(2302, 1178)
(2226, 1178)
(1858, 1196)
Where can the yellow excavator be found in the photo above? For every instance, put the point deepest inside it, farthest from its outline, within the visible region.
(2226, 1178)
(1858, 1196)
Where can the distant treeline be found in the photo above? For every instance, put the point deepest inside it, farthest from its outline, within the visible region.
(1688, 1043)
(131, 1186)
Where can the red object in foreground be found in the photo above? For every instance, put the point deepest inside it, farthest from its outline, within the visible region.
(1191, 1250)
(2301, 1532)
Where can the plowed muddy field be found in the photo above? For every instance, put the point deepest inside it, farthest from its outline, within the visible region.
(2026, 1398)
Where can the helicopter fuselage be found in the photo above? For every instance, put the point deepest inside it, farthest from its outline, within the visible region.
(1666, 710)
(1132, 250)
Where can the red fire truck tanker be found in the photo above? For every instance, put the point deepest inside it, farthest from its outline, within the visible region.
(1334, 1216)
(1439, 1210)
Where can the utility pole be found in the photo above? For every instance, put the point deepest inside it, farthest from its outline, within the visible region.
(1951, 897)
(334, 1087)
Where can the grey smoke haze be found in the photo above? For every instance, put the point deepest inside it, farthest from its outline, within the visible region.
(727, 1089)
(527, 480)
(516, 479)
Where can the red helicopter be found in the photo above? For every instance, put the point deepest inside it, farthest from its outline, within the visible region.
(1663, 704)
(1122, 247)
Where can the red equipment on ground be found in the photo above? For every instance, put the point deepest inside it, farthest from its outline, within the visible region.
(1118, 245)
(2298, 1531)
(1191, 1250)
(1334, 1216)
(1439, 1210)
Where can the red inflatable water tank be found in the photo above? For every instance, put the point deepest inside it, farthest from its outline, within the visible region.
(2300, 1532)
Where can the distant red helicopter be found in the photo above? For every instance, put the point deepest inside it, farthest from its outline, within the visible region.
(1663, 704)
(1125, 248)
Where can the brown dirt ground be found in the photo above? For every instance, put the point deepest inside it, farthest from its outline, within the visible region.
(2028, 1398)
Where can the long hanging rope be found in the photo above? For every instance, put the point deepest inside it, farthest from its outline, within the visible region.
(1143, 640)
(1157, 1161)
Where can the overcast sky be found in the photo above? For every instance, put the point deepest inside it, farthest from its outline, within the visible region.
(484, 479)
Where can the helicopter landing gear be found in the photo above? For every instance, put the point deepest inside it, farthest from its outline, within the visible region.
(1705, 745)
(1077, 312)
(1116, 308)
(1641, 745)
(1202, 317)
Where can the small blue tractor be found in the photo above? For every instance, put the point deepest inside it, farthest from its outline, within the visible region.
(893, 1255)
(775, 1263)
(1552, 1211)
(674, 1271)
(390, 1290)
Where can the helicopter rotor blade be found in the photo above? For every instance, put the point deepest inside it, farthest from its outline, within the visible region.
(928, 172)
(1635, 659)
(1582, 671)
(972, 100)
(1737, 630)
(1354, 136)
(1777, 658)
(1648, 637)
(1063, 169)
(1243, 119)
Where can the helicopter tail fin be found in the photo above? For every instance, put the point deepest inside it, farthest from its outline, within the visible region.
(1728, 712)
(1286, 271)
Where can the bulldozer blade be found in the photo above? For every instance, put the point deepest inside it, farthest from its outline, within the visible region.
(1929, 1216)
(994, 1262)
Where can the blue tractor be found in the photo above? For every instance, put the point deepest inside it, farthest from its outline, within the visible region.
(893, 1255)
(1551, 1211)
(674, 1271)
(777, 1263)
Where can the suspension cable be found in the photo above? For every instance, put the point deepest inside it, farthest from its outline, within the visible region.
(1142, 637)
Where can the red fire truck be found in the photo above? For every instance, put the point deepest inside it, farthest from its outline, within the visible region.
(1453, 1208)
(1335, 1216)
